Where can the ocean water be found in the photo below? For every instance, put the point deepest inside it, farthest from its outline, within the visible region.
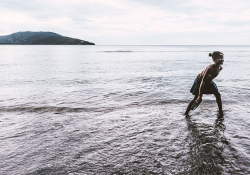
(120, 110)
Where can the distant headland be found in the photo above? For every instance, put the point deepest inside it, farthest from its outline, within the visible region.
(40, 38)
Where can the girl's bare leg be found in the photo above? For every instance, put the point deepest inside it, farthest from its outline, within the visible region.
(218, 100)
(190, 104)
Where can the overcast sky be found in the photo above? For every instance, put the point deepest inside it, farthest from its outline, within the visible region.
(133, 22)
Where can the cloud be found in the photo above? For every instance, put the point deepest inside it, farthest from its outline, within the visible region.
(130, 21)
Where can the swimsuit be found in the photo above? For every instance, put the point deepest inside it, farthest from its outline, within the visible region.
(210, 88)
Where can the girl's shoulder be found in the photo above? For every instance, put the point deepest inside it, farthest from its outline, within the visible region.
(210, 66)
(208, 69)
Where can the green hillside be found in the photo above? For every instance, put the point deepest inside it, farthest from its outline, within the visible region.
(41, 38)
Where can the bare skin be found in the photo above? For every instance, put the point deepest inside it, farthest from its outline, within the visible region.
(211, 72)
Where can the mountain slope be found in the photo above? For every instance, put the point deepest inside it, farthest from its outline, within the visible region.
(41, 38)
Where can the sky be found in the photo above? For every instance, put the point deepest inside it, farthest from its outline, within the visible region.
(133, 22)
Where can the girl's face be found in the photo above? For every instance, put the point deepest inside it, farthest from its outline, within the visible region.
(219, 59)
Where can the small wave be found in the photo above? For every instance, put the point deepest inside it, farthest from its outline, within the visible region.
(103, 109)
(120, 51)
(65, 109)
(44, 109)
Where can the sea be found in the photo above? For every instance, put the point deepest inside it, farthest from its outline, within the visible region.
(114, 110)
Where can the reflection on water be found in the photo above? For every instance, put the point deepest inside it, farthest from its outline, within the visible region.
(206, 145)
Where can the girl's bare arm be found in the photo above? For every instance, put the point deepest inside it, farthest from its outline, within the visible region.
(204, 78)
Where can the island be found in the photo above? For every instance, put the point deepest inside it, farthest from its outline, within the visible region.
(40, 38)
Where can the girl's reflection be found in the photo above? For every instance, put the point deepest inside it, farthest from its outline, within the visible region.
(206, 143)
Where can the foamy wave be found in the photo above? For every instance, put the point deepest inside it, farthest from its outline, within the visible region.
(103, 109)
(44, 109)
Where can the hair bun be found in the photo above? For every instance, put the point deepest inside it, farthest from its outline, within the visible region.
(210, 54)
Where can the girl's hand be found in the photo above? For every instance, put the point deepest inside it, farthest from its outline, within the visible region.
(199, 98)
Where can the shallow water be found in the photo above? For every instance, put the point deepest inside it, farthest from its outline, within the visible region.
(119, 110)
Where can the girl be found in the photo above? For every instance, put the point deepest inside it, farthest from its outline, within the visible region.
(203, 84)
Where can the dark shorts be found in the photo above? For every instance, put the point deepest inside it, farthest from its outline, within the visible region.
(208, 88)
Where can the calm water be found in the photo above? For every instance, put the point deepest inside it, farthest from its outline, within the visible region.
(119, 110)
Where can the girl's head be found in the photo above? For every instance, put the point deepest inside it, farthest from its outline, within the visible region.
(217, 57)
